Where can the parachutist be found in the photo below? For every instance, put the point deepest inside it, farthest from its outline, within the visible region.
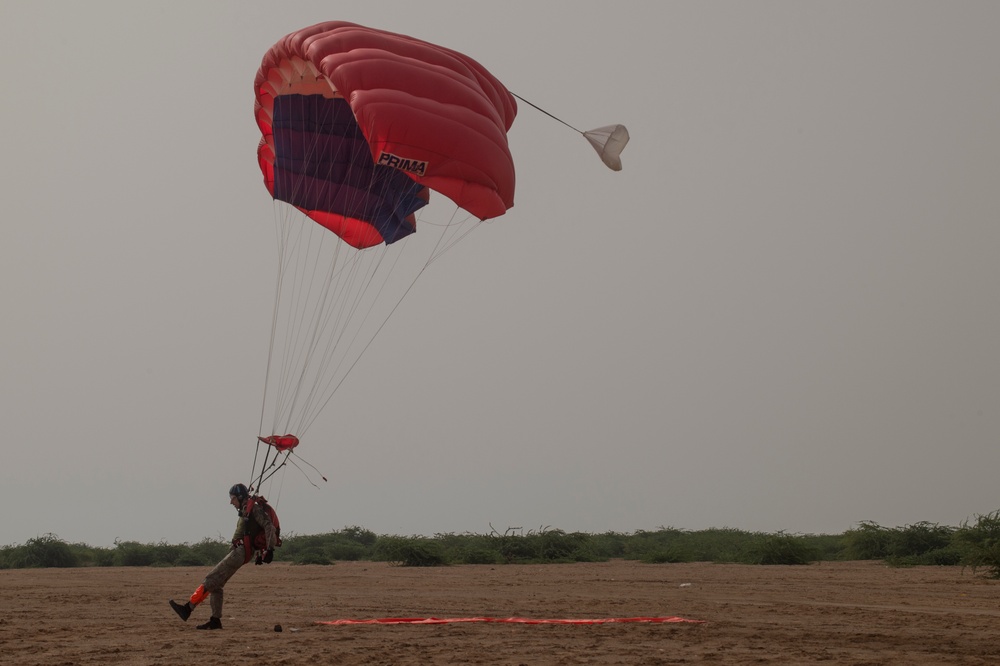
(257, 533)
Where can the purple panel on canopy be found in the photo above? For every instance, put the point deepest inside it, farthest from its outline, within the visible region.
(323, 162)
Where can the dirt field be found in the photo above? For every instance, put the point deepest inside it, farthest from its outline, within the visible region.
(834, 613)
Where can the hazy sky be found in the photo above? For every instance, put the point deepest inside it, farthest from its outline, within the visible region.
(781, 315)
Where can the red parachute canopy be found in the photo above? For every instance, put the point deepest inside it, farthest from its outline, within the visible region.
(359, 123)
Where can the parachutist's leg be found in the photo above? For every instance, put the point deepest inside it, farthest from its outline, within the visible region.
(213, 623)
(184, 610)
(198, 596)
(216, 602)
(224, 570)
(217, 578)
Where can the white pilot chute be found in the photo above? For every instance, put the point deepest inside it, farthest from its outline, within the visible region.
(609, 142)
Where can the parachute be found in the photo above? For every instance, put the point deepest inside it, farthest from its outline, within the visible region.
(365, 135)
(360, 130)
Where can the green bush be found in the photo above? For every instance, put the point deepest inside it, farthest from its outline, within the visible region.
(97, 557)
(347, 552)
(469, 548)
(868, 541)
(134, 554)
(311, 557)
(359, 535)
(921, 543)
(919, 539)
(975, 544)
(478, 556)
(557, 546)
(669, 555)
(608, 545)
(979, 544)
(349, 544)
(410, 552)
(717, 544)
(44, 551)
(779, 548)
(644, 545)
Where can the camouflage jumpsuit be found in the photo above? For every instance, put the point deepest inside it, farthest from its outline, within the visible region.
(238, 556)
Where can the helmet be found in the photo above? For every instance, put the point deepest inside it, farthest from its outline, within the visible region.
(240, 492)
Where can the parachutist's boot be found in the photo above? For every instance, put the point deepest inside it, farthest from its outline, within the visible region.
(213, 623)
(184, 611)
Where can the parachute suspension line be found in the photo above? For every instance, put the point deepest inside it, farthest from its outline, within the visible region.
(315, 327)
(286, 265)
(456, 238)
(253, 470)
(440, 248)
(546, 112)
(304, 473)
(363, 350)
(256, 480)
(359, 282)
(365, 279)
(300, 348)
(368, 282)
(304, 461)
(281, 232)
(300, 343)
(322, 334)
(309, 302)
(275, 495)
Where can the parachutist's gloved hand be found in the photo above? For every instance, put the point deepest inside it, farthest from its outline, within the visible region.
(268, 556)
(258, 561)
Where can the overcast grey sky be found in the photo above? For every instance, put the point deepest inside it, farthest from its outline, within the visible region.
(781, 315)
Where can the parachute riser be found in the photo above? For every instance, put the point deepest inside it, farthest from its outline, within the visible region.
(267, 470)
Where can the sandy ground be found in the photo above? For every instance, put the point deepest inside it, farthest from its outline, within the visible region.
(833, 613)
